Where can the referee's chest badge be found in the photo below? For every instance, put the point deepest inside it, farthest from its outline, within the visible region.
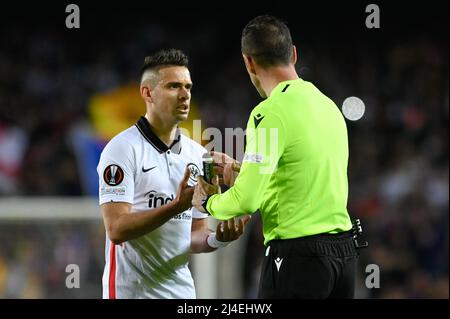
(113, 175)
(195, 171)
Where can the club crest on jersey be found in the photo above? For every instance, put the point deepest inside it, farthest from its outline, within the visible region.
(195, 171)
(113, 175)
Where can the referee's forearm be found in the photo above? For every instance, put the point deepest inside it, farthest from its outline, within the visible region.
(230, 204)
(245, 196)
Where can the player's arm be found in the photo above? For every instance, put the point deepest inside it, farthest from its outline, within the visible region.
(226, 232)
(264, 148)
(199, 235)
(122, 225)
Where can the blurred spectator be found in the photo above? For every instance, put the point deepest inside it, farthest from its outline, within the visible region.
(12, 145)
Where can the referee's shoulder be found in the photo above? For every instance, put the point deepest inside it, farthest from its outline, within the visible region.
(260, 107)
(266, 107)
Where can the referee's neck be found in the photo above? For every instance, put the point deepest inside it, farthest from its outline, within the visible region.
(272, 76)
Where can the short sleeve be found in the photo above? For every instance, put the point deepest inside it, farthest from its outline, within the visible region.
(116, 172)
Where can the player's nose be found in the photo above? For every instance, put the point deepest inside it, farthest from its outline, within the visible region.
(183, 97)
(184, 94)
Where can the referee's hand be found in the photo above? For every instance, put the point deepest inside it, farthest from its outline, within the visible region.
(202, 190)
(231, 229)
(225, 167)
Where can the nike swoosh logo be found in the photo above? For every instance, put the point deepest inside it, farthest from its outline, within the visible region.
(145, 170)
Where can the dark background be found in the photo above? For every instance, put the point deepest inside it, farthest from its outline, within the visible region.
(398, 168)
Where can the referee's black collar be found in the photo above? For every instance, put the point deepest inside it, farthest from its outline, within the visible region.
(145, 129)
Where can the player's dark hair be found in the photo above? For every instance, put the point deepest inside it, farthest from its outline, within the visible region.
(268, 40)
(163, 58)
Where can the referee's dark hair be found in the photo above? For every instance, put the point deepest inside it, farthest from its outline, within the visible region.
(268, 41)
(165, 57)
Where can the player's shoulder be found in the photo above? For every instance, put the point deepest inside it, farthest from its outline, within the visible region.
(126, 139)
(192, 145)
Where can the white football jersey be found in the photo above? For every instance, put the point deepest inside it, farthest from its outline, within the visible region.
(138, 168)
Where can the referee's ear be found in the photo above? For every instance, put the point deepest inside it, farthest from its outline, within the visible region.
(294, 54)
(249, 63)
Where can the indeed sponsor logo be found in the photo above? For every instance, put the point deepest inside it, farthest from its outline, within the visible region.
(156, 199)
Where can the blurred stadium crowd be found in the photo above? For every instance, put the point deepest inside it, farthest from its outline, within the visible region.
(398, 168)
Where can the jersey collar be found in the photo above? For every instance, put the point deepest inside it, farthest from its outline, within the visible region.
(283, 86)
(146, 131)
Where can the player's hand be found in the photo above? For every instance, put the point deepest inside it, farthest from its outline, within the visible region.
(184, 193)
(232, 229)
(225, 167)
(202, 190)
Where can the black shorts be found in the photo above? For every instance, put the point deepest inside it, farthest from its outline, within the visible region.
(319, 266)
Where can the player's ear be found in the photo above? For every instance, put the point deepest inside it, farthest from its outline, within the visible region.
(249, 64)
(294, 54)
(146, 93)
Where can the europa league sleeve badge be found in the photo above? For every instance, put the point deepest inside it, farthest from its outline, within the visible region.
(113, 175)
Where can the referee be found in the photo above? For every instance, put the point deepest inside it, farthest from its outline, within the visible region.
(294, 171)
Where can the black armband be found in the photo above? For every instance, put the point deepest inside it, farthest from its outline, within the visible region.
(204, 204)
